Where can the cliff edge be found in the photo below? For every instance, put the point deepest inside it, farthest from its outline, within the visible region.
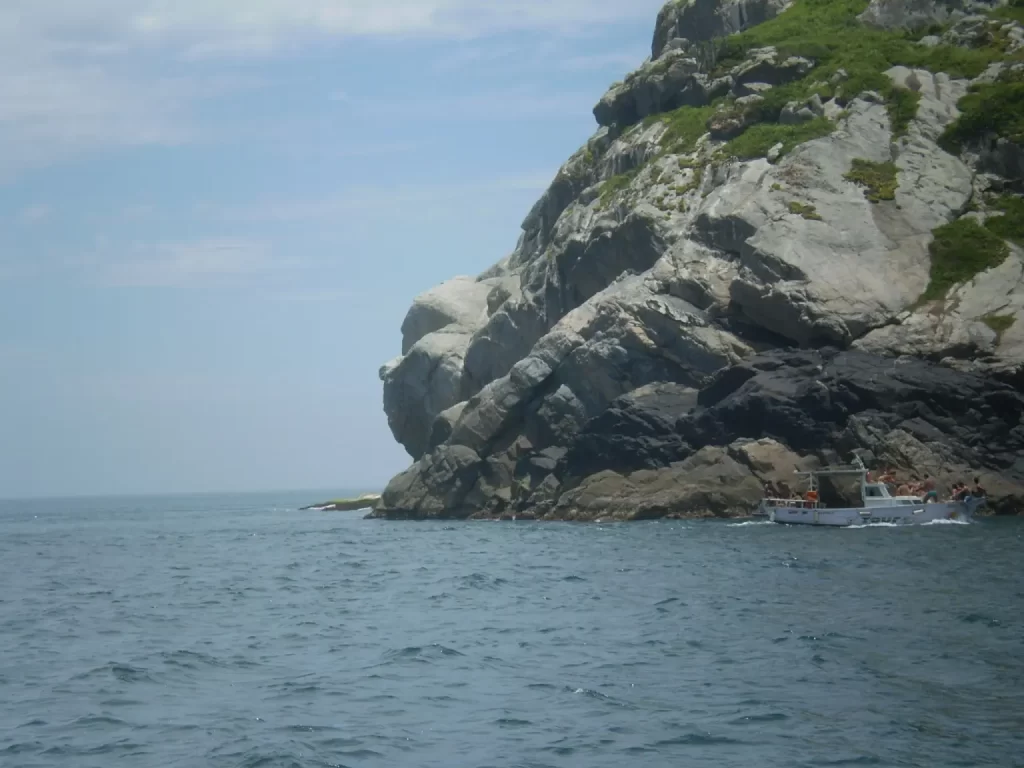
(796, 233)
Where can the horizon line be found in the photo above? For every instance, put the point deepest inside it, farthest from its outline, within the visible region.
(157, 494)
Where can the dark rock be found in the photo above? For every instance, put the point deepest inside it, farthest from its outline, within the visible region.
(637, 431)
(709, 483)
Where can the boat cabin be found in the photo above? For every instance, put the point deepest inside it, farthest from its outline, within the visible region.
(872, 494)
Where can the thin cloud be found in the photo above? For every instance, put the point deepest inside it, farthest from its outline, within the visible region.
(33, 214)
(372, 199)
(85, 75)
(179, 264)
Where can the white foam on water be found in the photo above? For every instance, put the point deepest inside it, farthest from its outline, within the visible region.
(750, 522)
(875, 525)
(947, 522)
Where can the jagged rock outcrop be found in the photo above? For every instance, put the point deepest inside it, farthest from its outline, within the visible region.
(700, 20)
(710, 297)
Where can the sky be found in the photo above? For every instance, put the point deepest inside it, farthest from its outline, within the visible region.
(214, 215)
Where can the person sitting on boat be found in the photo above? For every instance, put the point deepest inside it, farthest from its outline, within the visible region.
(889, 478)
(770, 491)
(903, 490)
(959, 491)
(928, 486)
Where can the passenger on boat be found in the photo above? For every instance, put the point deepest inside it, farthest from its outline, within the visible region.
(959, 491)
(978, 490)
(903, 490)
(928, 486)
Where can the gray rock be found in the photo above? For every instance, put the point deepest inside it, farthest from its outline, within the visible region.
(919, 14)
(768, 67)
(709, 483)
(832, 280)
(794, 113)
(461, 300)
(434, 487)
(702, 20)
(422, 384)
(670, 82)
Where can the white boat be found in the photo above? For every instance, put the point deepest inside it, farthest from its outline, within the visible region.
(878, 505)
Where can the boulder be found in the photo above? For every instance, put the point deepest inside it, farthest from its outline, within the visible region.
(709, 483)
(702, 20)
(422, 384)
(460, 301)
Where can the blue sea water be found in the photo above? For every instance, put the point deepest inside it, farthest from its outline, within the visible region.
(238, 631)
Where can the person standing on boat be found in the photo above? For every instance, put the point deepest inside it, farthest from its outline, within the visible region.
(978, 490)
(928, 487)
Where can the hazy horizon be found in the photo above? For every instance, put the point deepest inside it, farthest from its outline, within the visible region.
(215, 221)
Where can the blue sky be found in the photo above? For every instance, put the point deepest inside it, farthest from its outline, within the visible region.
(215, 214)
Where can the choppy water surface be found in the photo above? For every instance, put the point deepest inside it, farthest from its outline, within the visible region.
(239, 632)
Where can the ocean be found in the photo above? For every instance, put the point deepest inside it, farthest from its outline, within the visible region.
(236, 631)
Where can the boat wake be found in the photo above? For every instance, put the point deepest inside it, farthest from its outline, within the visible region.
(750, 522)
(947, 522)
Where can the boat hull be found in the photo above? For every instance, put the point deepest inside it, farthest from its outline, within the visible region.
(902, 514)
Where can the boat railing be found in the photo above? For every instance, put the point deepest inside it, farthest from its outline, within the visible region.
(798, 503)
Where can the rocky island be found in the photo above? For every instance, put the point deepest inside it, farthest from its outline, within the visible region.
(796, 233)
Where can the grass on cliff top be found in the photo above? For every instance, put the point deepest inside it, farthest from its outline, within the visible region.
(960, 250)
(878, 179)
(829, 32)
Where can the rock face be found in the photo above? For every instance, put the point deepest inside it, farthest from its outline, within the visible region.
(687, 317)
(700, 20)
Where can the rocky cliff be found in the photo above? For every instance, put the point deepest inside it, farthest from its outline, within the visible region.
(797, 233)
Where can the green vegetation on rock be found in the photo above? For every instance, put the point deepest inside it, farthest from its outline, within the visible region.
(1014, 11)
(999, 323)
(902, 104)
(993, 108)
(1009, 226)
(616, 184)
(829, 32)
(757, 140)
(683, 127)
(960, 250)
(807, 211)
(878, 179)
